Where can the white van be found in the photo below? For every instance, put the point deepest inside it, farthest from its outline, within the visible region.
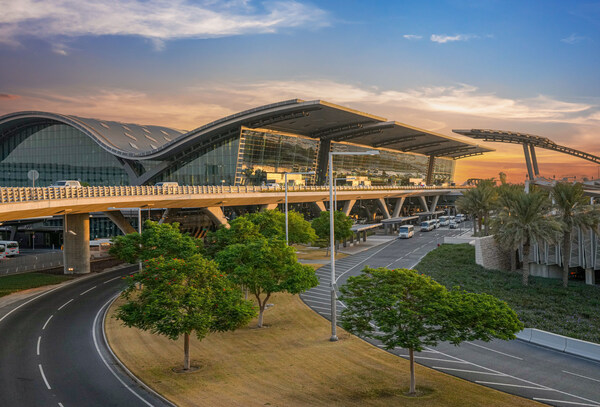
(11, 248)
(427, 225)
(406, 231)
(444, 220)
(66, 183)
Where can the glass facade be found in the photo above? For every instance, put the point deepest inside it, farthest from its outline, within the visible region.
(266, 155)
(389, 167)
(57, 152)
(214, 167)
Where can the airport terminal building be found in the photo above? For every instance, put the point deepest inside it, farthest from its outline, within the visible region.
(253, 147)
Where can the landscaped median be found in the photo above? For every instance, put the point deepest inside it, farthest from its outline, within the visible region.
(544, 304)
(291, 362)
(20, 282)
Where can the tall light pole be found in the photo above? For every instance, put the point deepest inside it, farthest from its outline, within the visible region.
(332, 235)
(286, 199)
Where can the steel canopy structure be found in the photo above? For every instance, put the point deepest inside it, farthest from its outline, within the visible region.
(529, 142)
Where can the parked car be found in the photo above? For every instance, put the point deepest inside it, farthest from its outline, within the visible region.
(167, 184)
(66, 183)
(453, 224)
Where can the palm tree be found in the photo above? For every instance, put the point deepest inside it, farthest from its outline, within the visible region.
(507, 194)
(526, 221)
(479, 202)
(573, 211)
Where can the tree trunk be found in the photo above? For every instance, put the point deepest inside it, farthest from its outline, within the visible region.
(479, 223)
(526, 265)
(513, 260)
(411, 354)
(261, 309)
(487, 224)
(186, 351)
(566, 257)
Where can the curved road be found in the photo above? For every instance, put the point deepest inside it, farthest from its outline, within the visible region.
(52, 351)
(515, 367)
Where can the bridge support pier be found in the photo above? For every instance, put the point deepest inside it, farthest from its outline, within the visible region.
(398, 207)
(434, 202)
(348, 205)
(215, 213)
(383, 207)
(122, 223)
(76, 237)
(268, 207)
(590, 276)
(320, 205)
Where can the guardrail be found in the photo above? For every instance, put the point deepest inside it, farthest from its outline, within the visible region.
(13, 194)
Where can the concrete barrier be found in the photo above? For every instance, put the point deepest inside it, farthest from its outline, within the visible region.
(549, 340)
(524, 335)
(582, 348)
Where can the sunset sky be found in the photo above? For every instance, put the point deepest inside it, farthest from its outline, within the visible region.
(527, 66)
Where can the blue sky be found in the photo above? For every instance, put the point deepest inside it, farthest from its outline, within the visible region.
(528, 66)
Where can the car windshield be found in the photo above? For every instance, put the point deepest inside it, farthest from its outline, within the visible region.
(11, 245)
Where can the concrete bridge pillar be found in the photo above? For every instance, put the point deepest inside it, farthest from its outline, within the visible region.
(268, 207)
(215, 213)
(383, 207)
(348, 206)
(320, 205)
(398, 207)
(76, 239)
(434, 202)
(590, 276)
(423, 203)
(122, 223)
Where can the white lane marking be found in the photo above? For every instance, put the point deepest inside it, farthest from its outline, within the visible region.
(44, 327)
(27, 302)
(60, 405)
(585, 377)
(310, 300)
(440, 360)
(514, 385)
(493, 350)
(467, 371)
(102, 356)
(364, 260)
(65, 304)
(112, 279)
(38, 345)
(87, 291)
(566, 402)
(44, 377)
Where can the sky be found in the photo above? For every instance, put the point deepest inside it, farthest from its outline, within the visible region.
(525, 66)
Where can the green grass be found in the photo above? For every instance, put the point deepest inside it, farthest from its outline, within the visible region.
(19, 282)
(544, 304)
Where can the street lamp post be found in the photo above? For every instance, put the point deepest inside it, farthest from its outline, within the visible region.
(286, 199)
(332, 235)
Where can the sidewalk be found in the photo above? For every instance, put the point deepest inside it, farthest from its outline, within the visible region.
(350, 249)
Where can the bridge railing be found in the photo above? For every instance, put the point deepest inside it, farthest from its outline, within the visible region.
(14, 194)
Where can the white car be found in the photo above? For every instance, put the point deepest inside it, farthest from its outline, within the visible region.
(66, 183)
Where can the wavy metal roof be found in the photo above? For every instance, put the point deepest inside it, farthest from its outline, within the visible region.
(316, 119)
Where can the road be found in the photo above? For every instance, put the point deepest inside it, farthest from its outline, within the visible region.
(53, 353)
(515, 367)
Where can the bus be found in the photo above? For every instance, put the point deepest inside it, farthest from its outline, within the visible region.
(11, 248)
(428, 225)
(444, 220)
(406, 231)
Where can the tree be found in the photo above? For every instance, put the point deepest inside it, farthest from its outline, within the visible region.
(479, 202)
(525, 220)
(156, 240)
(342, 225)
(265, 267)
(183, 296)
(403, 308)
(241, 230)
(573, 211)
(271, 224)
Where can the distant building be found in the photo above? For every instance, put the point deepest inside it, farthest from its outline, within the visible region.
(253, 147)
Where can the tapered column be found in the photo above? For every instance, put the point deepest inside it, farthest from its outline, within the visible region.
(398, 207)
(528, 161)
(534, 162)
(384, 208)
(122, 223)
(76, 239)
(348, 206)
(268, 207)
(434, 202)
(217, 216)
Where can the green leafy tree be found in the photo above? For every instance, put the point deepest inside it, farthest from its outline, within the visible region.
(342, 225)
(156, 240)
(241, 230)
(573, 211)
(271, 224)
(265, 267)
(183, 296)
(403, 308)
(526, 220)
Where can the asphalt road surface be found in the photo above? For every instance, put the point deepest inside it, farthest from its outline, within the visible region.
(52, 350)
(515, 367)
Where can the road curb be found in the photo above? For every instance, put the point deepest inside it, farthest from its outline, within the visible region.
(122, 365)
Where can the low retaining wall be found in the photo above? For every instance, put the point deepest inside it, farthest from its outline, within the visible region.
(561, 343)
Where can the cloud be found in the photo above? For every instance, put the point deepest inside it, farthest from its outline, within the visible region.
(157, 20)
(574, 39)
(442, 39)
(7, 96)
(412, 36)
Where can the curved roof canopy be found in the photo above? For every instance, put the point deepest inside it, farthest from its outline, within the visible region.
(315, 119)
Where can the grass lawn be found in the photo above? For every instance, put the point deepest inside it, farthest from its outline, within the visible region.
(19, 282)
(544, 304)
(289, 363)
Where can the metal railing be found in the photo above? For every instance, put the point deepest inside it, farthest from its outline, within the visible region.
(15, 195)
